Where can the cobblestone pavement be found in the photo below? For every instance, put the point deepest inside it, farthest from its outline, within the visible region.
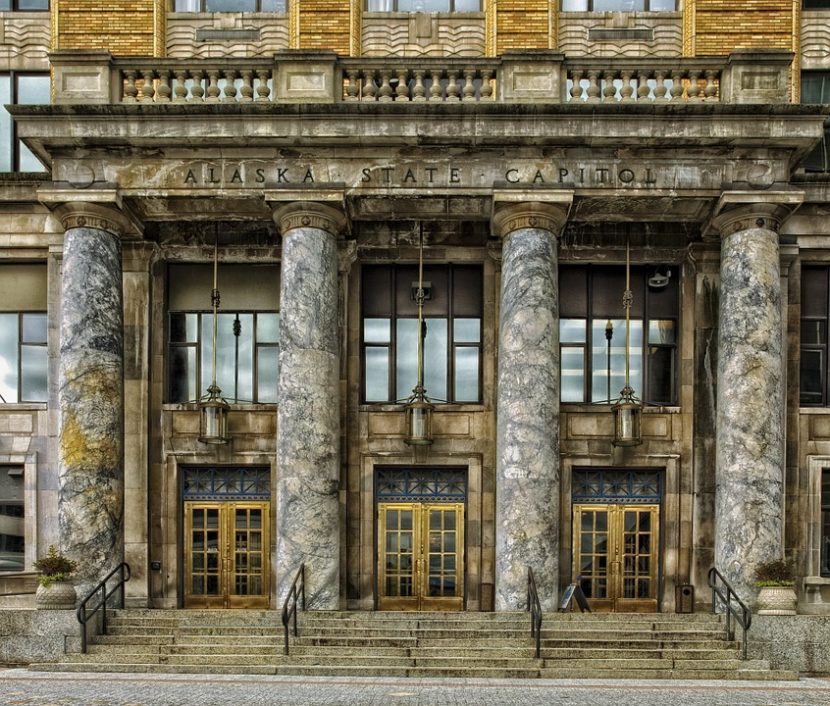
(19, 687)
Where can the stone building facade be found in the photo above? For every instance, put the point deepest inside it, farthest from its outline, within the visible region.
(533, 155)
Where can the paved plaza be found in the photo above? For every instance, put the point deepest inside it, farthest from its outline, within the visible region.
(19, 687)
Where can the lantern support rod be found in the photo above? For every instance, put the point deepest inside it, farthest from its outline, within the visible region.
(420, 297)
(214, 301)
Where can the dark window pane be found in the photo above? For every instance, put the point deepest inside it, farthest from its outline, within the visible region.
(182, 374)
(184, 328)
(814, 292)
(376, 291)
(466, 294)
(815, 86)
(661, 375)
(813, 332)
(12, 535)
(812, 376)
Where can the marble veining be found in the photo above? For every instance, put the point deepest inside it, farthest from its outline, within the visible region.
(527, 476)
(750, 434)
(91, 390)
(308, 441)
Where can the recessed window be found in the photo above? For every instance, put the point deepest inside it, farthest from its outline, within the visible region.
(12, 535)
(825, 522)
(24, 5)
(229, 5)
(815, 89)
(452, 345)
(247, 333)
(618, 5)
(815, 308)
(592, 333)
(816, 5)
(20, 89)
(423, 6)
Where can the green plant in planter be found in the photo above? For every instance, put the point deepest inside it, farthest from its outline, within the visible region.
(778, 572)
(54, 567)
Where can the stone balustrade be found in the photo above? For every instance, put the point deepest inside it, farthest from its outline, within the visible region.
(296, 76)
(626, 81)
(436, 80)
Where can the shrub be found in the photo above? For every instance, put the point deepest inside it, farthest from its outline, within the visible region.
(779, 572)
(54, 567)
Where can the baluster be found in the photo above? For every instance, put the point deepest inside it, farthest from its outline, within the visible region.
(263, 90)
(486, 85)
(369, 88)
(593, 87)
(676, 90)
(180, 89)
(247, 90)
(419, 90)
(385, 87)
(352, 88)
(469, 90)
(129, 88)
(213, 86)
(577, 91)
(626, 90)
(197, 90)
(435, 86)
(609, 90)
(163, 92)
(229, 91)
(147, 90)
(693, 91)
(711, 90)
(452, 86)
(402, 89)
(660, 89)
(643, 88)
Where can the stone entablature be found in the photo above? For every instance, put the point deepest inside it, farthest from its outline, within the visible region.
(96, 77)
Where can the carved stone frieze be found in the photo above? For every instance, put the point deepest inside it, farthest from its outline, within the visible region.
(310, 214)
(547, 216)
(90, 215)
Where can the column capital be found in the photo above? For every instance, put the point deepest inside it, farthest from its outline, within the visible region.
(515, 210)
(747, 210)
(94, 208)
(310, 214)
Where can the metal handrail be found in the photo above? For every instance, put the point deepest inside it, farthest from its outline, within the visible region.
(535, 608)
(293, 594)
(83, 614)
(743, 618)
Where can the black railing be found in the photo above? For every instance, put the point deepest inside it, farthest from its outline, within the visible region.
(289, 608)
(535, 608)
(736, 610)
(84, 613)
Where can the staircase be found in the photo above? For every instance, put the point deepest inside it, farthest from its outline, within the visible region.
(573, 646)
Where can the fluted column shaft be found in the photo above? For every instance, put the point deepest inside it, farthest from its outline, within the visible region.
(91, 397)
(308, 420)
(527, 436)
(750, 398)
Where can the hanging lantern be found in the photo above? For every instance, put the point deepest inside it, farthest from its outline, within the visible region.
(418, 409)
(628, 410)
(213, 410)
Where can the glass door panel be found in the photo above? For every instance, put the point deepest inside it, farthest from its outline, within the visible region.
(616, 556)
(420, 556)
(226, 555)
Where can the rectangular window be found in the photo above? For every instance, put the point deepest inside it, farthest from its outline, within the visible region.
(618, 5)
(815, 308)
(815, 89)
(592, 335)
(24, 5)
(816, 5)
(20, 89)
(23, 352)
(423, 6)
(230, 6)
(452, 342)
(825, 522)
(12, 536)
(247, 333)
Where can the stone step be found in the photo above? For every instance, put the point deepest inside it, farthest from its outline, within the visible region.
(579, 643)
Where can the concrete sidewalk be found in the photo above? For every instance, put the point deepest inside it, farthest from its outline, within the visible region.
(20, 687)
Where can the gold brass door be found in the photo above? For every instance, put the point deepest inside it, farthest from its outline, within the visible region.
(226, 555)
(616, 556)
(420, 556)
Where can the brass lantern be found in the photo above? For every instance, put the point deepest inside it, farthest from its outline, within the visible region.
(628, 410)
(418, 408)
(213, 409)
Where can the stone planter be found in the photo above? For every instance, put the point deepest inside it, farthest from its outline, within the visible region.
(59, 595)
(777, 600)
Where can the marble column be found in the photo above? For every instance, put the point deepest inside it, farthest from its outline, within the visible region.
(308, 417)
(750, 401)
(527, 436)
(91, 393)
